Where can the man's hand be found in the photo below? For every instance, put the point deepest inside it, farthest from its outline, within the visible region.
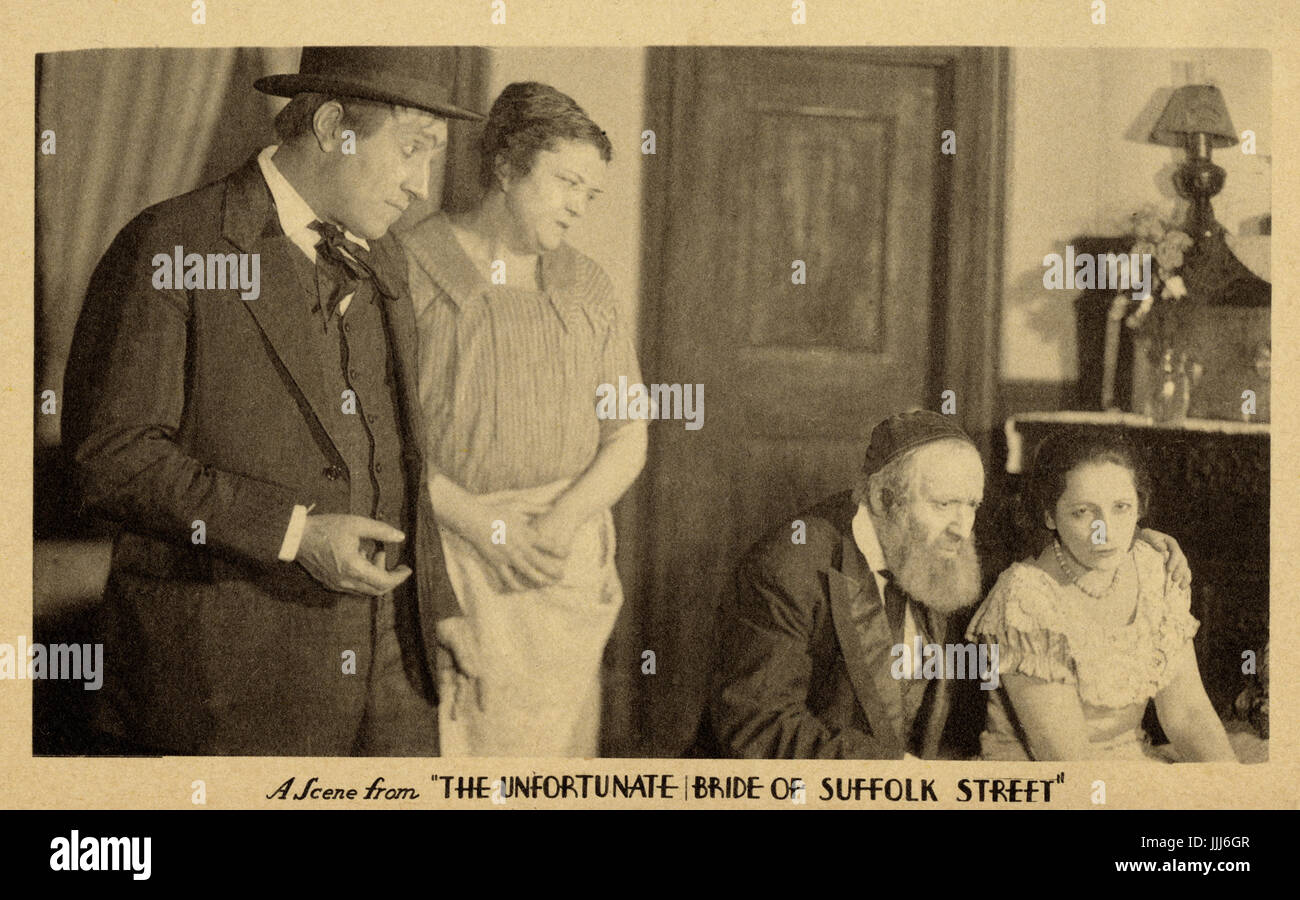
(459, 667)
(337, 551)
(1176, 567)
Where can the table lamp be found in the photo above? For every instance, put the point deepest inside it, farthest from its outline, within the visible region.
(1196, 118)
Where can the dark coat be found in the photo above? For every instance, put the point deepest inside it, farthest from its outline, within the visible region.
(195, 405)
(804, 658)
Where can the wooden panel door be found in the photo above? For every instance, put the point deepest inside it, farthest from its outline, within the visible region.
(779, 158)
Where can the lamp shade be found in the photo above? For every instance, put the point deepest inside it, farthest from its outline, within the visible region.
(1195, 109)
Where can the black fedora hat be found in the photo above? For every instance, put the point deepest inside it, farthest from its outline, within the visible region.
(420, 77)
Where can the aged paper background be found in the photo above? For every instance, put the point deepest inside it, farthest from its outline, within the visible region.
(54, 25)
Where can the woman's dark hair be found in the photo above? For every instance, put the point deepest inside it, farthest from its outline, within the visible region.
(527, 117)
(1064, 451)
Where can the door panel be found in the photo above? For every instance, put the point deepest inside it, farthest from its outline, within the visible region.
(829, 157)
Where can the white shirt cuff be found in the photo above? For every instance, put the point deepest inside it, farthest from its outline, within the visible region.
(293, 536)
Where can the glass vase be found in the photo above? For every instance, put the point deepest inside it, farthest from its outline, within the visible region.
(1170, 392)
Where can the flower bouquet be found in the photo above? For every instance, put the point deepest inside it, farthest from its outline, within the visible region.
(1163, 368)
(1159, 313)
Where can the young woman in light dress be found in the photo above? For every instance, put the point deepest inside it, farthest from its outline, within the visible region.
(1092, 628)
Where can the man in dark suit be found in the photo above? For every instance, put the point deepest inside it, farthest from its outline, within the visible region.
(808, 663)
(241, 398)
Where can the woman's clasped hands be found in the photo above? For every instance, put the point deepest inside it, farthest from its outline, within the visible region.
(525, 543)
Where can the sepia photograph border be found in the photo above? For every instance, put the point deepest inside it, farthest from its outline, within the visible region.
(60, 782)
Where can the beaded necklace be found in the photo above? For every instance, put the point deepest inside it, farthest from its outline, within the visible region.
(1068, 569)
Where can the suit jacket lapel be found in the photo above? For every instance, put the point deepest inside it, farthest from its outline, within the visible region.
(435, 596)
(389, 263)
(938, 699)
(866, 640)
(283, 309)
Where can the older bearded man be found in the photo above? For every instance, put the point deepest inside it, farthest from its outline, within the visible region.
(816, 647)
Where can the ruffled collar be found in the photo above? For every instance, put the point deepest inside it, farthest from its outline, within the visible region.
(1115, 665)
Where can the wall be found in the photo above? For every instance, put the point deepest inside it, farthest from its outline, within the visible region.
(1079, 163)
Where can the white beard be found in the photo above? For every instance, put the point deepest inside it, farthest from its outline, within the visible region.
(944, 583)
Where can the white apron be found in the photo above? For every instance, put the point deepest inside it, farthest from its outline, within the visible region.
(540, 650)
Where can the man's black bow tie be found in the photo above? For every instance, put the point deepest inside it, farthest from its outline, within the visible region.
(343, 263)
